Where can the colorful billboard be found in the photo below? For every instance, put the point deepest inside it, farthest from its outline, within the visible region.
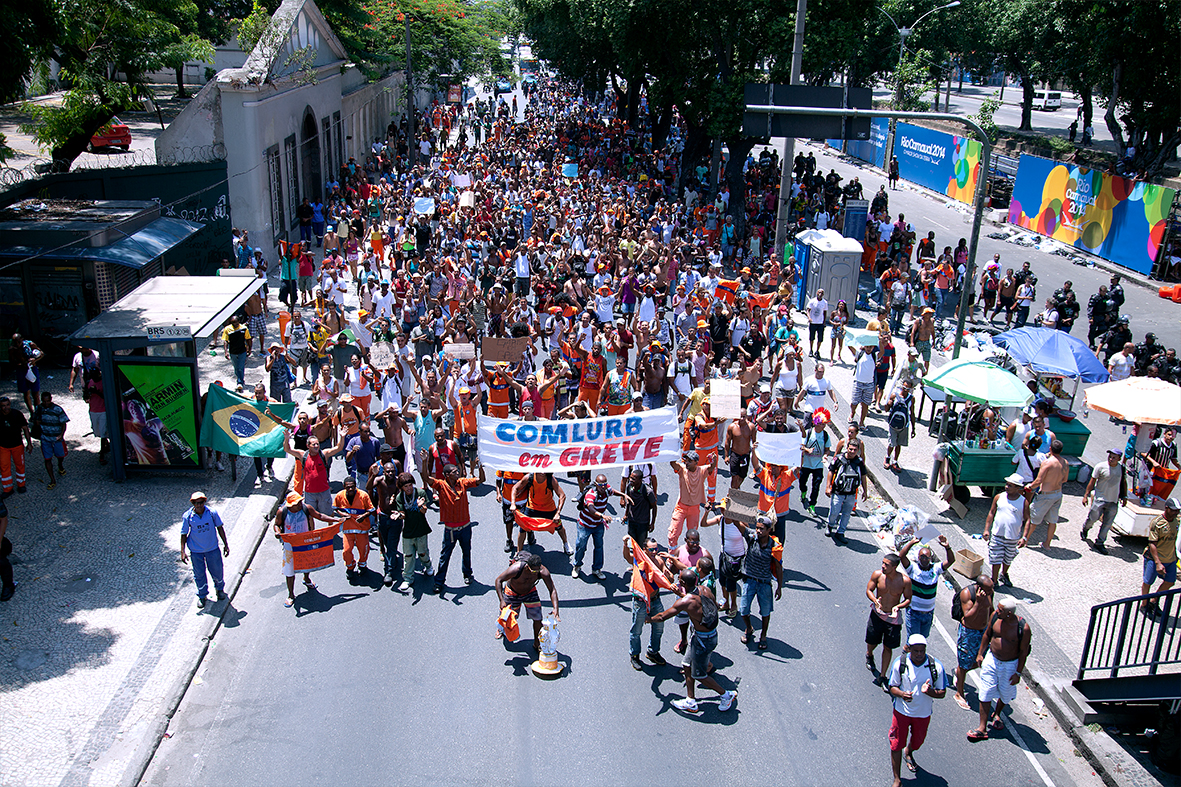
(158, 414)
(945, 163)
(1116, 218)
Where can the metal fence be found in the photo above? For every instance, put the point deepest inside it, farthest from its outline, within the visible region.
(199, 154)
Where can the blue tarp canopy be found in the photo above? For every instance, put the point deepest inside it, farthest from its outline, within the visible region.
(134, 251)
(1050, 351)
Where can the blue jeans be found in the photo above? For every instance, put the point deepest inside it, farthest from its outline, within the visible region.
(211, 562)
(896, 316)
(752, 588)
(305, 232)
(918, 622)
(653, 401)
(389, 532)
(239, 361)
(839, 511)
(585, 533)
(451, 535)
(640, 613)
(940, 297)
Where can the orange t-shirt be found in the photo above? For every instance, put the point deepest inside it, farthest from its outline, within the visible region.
(453, 509)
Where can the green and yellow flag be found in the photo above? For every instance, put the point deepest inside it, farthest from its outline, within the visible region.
(236, 425)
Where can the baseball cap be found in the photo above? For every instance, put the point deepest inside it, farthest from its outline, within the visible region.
(1115, 451)
(386, 448)
(1173, 504)
(637, 395)
(765, 388)
(196, 496)
(916, 639)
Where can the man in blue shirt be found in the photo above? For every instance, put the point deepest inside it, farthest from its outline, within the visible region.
(199, 530)
(361, 450)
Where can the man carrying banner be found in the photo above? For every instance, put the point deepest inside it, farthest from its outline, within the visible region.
(649, 575)
(542, 511)
(296, 517)
(517, 586)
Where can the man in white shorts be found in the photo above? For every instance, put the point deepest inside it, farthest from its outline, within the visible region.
(1003, 651)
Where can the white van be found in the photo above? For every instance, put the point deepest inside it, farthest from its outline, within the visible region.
(1048, 100)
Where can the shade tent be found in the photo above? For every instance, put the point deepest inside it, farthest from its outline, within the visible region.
(1053, 352)
(1142, 400)
(981, 381)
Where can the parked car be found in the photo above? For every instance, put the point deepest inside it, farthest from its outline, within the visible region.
(114, 134)
(503, 86)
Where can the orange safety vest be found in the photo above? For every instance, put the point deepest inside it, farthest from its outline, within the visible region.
(465, 420)
(705, 435)
(775, 490)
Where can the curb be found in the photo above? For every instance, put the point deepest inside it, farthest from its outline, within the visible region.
(152, 738)
(1110, 761)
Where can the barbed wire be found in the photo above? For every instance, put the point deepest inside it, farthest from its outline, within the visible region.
(37, 168)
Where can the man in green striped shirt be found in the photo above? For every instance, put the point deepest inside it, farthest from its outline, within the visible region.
(924, 576)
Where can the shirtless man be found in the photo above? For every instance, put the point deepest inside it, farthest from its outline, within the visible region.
(1051, 475)
(889, 591)
(1006, 297)
(394, 428)
(653, 367)
(521, 578)
(737, 447)
(389, 530)
(702, 608)
(976, 603)
(921, 333)
(1003, 651)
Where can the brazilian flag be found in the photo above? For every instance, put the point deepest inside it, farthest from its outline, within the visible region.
(239, 426)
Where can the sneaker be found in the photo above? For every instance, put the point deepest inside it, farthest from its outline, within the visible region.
(200, 602)
(840, 539)
(220, 466)
(726, 701)
(656, 658)
(388, 579)
(428, 572)
(600, 575)
(1100, 548)
(221, 595)
(637, 665)
(436, 590)
(469, 579)
(567, 549)
(508, 545)
(7, 592)
(362, 567)
(576, 572)
(686, 705)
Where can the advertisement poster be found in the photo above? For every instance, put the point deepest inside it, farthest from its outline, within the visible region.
(158, 414)
(872, 150)
(942, 162)
(1116, 218)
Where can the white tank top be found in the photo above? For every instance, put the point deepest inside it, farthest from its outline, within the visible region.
(788, 378)
(1009, 515)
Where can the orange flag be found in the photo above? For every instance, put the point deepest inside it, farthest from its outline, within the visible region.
(537, 524)
(645, 574)
(762, 301)
(726, 290)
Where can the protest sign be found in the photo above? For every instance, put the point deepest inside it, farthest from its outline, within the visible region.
(494, 348)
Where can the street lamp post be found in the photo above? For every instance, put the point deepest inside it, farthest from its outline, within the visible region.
(412, 143)
(903, 34)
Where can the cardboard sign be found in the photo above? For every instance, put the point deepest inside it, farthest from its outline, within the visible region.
(725, 398)
(494, 348)
(460, 350)
(741, 506)
(381, 355)
(461, 181)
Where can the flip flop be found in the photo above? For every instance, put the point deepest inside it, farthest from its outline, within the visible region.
(975, 736)
(309, 584)
(744, 639)
(678, 648)
(997, 724)
(910, 763)
(762, 644)
(289, 603)
(963, 703)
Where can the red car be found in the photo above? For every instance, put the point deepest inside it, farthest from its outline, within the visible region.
(115, 134)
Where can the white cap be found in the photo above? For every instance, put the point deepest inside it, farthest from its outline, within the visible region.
(916, 639)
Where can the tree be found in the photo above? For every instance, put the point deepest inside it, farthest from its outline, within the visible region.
(28, 29)
(105, 48)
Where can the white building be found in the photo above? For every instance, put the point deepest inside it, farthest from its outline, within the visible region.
(287, 120)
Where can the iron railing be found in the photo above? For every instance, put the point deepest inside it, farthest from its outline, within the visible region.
(1120, 637)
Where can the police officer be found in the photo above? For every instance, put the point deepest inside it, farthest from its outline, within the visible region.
(1115, 338)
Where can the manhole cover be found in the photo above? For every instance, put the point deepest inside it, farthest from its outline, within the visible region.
(31, 659)
(80, 583)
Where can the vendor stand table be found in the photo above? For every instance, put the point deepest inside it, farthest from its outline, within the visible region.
(971, 465)
(1073, 434)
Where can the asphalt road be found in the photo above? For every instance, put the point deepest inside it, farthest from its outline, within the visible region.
(362, 685)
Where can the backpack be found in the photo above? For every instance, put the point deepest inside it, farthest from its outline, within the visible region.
(957, 607)
(899, 414)
(905, 663)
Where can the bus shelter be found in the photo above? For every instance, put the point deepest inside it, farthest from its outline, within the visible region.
(148, 344)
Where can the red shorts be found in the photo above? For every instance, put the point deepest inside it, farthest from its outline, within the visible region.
(901, 725)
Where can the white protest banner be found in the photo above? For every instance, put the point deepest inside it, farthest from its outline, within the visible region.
(582, 444)
(381, 355)
(461, 181)
(460, 350)
(725, 398)
(467, 199)
(425, 205)
(780, 449)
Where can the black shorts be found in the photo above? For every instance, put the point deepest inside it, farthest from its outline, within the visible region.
(739, 464)
(879, 632)
(881, 378)
(1006, 301)
(815, 331)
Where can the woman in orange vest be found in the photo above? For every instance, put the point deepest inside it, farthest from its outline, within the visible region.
(704, 433)
(499, 384)
(594, 370)
(464, 428)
